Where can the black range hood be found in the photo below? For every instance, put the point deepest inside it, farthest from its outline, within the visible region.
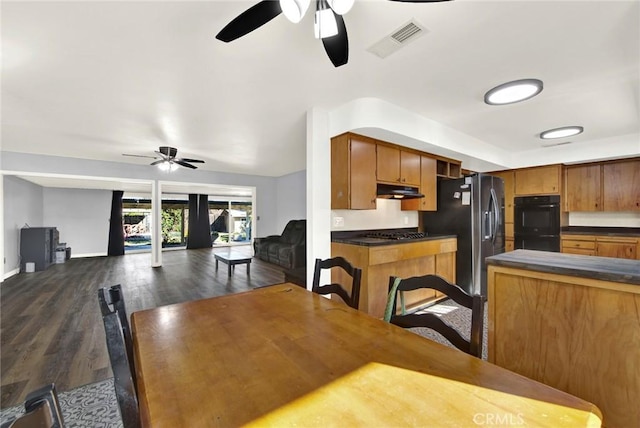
(390, 191)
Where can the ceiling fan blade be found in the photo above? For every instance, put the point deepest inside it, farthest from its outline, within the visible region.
(419, 1)
(249, 20)
(187, 165)
(139, 156)
(190, 160)
(337, 47)
(157, 162)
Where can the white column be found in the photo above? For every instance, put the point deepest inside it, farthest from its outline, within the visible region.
(2, 268)
(318, 189)
(156, 221)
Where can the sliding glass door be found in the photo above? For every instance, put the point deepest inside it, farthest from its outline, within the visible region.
(230, 222)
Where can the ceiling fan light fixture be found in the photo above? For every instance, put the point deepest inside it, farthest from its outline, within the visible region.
(563, 132)
(341, 6)
(294, 10)
(167, 166)
(513, 92)
(324, 24)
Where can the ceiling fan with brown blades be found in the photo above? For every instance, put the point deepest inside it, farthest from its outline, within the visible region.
(166, 159)
(328, 22)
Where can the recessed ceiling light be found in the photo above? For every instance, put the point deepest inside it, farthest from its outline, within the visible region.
(513, 92)
(565, 131)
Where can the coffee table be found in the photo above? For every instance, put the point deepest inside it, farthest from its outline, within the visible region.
(232, 259)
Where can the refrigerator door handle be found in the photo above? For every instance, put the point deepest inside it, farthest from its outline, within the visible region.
(488, 232)
(496, 214)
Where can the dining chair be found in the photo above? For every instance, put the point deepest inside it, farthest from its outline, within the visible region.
(123, 382)
(473, 346)
(351, 298)
(42, 409)
(113, 297)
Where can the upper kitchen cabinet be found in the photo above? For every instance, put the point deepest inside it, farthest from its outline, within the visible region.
(353, 177)
(428, 187)
(540, 180)
(397, 166)
(448, 168)
(583, 188)
(621, 185)
(603, 186)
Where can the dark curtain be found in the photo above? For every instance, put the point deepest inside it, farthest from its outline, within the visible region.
(116, 230)
(199, 229)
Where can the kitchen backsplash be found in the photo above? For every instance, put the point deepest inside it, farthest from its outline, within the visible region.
(604, 219)
(387, 215)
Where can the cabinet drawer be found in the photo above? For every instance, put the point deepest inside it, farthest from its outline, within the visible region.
(572, 243)
(581, 251)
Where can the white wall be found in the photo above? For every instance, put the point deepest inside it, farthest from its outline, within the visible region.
(266, 189)
(23, 204)
(604, 219)
(291, 198)
(387, 215)
(82, 218)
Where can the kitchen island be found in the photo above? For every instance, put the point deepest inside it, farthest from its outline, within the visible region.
(571, 322)
(381, 258)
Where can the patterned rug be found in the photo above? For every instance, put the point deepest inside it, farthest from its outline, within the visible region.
(458, 317)
(92, 405)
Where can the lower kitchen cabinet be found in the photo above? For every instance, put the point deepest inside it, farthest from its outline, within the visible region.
(622, 247)
(378, 263)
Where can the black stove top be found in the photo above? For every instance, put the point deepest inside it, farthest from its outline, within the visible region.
(396, 235)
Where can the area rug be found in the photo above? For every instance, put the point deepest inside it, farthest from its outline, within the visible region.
(94, 405)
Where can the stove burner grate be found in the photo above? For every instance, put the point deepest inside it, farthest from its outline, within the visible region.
(396, 235)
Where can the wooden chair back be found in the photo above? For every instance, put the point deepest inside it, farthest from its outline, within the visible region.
(352, 297)
(112, 300)
(122, 377)
(473, 346)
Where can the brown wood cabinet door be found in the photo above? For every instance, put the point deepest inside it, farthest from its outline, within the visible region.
(428, 187)
(542, 180)
(583, 188)
(409, 168)
(621, 250)
(388, 164)
(363, 175)
(621, 186)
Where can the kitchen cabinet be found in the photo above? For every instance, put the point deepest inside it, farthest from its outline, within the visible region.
(428, 187)
(578, 244)
(621, 185)
(404, 259)
(540, 180)
(353, 177)
(388, 164)
(397, 166)
(604, 186)
(571, 323)
(582, 188)
(448, 168)
(623, 247)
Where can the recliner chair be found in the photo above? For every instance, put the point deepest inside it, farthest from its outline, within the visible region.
(287, 250)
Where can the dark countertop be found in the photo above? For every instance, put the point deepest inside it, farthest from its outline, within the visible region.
(603, 268)
(374, 242)
(609, 231)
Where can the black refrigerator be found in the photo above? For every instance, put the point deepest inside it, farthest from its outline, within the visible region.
(472, 208)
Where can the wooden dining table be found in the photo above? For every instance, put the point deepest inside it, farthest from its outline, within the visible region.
(282, 356)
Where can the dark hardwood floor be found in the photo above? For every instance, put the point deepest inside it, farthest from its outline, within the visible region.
(50, 324)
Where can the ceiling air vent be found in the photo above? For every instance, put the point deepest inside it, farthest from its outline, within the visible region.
(398, 39)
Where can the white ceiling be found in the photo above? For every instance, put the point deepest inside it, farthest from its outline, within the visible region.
(97, 79)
